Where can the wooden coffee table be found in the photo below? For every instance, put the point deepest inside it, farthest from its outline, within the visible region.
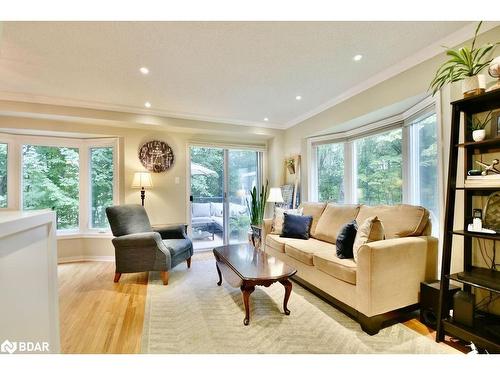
(245, 267)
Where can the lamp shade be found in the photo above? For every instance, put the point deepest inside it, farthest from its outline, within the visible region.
(275, 195)
(142, 179)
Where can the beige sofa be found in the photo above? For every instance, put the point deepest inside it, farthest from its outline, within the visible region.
(387, 274)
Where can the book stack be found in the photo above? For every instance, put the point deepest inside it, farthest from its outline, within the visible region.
(491, 180)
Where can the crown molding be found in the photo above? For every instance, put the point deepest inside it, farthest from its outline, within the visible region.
(64, 102)
(424, 54)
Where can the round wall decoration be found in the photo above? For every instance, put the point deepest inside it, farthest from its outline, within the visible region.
(156, 156)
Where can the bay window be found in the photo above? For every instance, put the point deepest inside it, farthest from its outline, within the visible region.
(3, 175)
(77, 178)
(393, 162)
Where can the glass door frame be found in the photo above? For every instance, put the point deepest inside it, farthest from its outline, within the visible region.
(226, 204)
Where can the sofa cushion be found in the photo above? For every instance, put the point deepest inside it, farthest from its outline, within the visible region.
(371, 230)
(332, 220)
(200, 209)
(315, 210)
(401, 220)
(303, 250)
(345, 240)
(279, 217)
(342, 269)
(296, 226)
(216, 209)
(278, 243)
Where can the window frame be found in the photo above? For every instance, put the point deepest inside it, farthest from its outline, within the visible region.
(15, 144)
(405, 121)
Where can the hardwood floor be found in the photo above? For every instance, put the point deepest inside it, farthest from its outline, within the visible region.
(99, 316)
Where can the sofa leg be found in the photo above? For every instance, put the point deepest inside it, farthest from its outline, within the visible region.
(188, 261)
(117, 276)
(164, 277)
(371, 325)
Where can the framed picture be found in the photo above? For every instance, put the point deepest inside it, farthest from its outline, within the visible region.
(495, 125)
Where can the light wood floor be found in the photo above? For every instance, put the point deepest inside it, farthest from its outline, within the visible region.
(99, 316)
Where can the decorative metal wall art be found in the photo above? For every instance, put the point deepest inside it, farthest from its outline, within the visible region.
(156, 156)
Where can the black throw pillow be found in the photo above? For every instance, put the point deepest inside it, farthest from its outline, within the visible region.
(296, 226)
(345, 240)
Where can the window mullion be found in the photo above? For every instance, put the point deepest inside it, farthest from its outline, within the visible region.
(84, 198)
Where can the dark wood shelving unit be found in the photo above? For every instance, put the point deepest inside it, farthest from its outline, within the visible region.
(486, 331)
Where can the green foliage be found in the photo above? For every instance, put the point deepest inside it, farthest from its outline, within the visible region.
(466, 62)
(257, 204)
(3, 175)
(476, 124)
(51, 180)
(379, 168)
(330, 163)
(101, 178)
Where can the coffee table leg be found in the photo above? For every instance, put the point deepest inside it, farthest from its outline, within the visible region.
(220, 275)
(288, 290)
(247, 290)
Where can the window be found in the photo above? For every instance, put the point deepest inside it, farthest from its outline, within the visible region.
(51, 180)
(3, 175)
(424, 134)
(391, 162)
(330, 172)
(101, 185)
(379, 168)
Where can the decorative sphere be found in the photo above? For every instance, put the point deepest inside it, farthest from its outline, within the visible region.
(494, 69)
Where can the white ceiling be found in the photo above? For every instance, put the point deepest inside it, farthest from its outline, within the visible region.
(238, 72)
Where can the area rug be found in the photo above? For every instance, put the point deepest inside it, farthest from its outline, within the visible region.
(194, 315)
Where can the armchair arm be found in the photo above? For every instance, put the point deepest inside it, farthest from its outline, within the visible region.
(171, 232)
(140, 252)
(390, 271)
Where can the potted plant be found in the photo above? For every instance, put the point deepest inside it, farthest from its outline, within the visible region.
(290, 164)
(477, 126)
(464, 65)
(257, 204)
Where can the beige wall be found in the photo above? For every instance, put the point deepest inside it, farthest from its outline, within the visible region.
(167, 201)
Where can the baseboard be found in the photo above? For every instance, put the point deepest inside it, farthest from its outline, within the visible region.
(93, 258)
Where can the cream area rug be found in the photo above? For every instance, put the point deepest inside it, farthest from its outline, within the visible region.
(194, 315)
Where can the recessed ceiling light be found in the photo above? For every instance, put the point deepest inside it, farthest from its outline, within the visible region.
(266, 119)
(147, 105)
(298, 97)
(357, 57)
(144, 70)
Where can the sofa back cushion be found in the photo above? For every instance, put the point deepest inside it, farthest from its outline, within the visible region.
(128, 219)
(216, 209)
(333, 219)
(315, 210)
(200, 209)
(402, 220)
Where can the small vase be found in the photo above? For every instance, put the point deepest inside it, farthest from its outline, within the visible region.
(479, 135)
(474, 85)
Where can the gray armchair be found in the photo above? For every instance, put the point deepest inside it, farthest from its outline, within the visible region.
(140, 248)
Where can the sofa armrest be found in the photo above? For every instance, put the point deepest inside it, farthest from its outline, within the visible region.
(171, 232)
(390, 271)
(141, 252)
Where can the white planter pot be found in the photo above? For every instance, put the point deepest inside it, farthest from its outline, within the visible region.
(474, 85)
(479, 135)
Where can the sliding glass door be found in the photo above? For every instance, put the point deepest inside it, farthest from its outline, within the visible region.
(220, 182)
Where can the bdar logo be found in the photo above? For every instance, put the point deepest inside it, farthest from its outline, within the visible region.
(8, 347)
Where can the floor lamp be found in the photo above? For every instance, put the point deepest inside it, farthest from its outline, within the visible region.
(142, 180)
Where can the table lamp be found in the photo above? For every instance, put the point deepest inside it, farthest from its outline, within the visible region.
(142, 180)
(275, 196)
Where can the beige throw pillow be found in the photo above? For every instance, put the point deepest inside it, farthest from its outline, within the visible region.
(371, 230)
(279, 218)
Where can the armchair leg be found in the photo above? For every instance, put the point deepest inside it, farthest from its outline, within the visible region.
(188, 261)
(117, 276)
(164, 277)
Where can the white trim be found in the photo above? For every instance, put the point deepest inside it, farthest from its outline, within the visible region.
(229, 146)
(92, 258)
(51, 100)
(434, 49)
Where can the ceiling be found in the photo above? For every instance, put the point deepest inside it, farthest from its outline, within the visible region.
(236, 72)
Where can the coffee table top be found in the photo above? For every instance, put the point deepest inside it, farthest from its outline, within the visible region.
(251, 264)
